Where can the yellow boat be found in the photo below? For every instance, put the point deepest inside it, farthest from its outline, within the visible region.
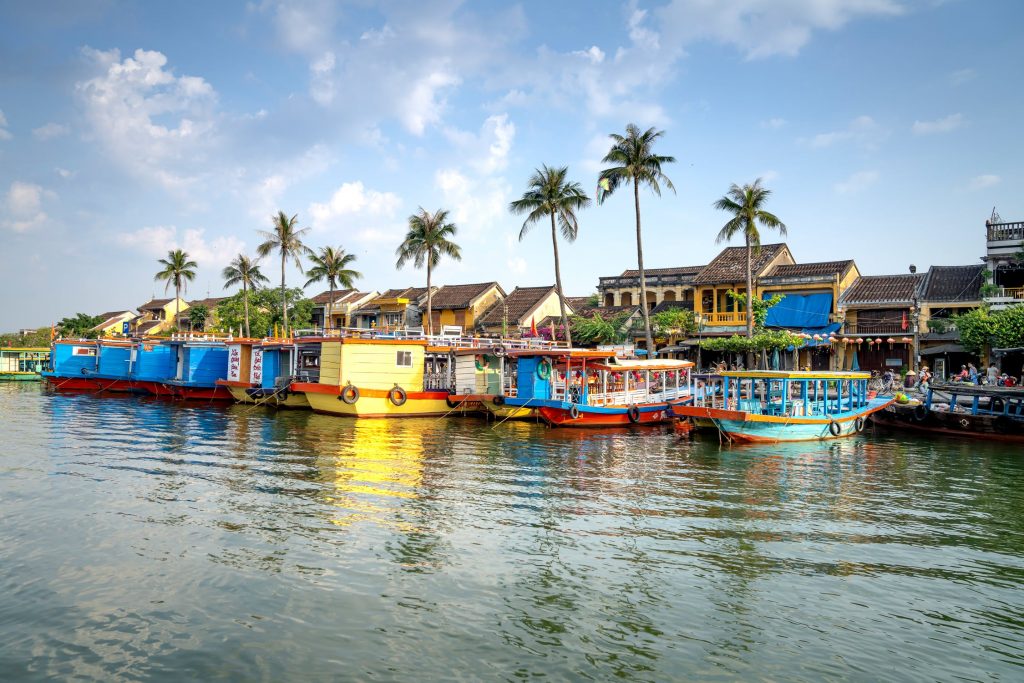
(361, 377)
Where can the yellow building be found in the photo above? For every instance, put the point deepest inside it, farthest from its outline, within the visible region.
(394, 309)
(339, 310)
(728, 271)
(113, 323)
(157, 316)
(461, 305)
(523, 307)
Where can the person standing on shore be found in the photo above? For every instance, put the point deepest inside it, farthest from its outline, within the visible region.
(972, 373)
(993, 374)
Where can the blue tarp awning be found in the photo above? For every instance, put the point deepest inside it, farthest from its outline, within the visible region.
(801, 311)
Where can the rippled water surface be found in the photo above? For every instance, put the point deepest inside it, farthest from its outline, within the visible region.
(143, 539)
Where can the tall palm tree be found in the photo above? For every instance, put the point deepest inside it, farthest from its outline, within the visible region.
(550, 194)
(425, 243)
(286, 239)
(634, 160)
(178, 271)
(246, 272)
(330, 264)
(745, 204)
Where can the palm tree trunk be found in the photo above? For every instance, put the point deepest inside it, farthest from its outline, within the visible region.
(245, 305)
(640, 267)
(284, 300)
(330, 304)
(750, 303)
(558, 283)
(177, 304)
(430, 323)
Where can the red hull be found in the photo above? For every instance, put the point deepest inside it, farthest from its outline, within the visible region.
(558, 417)
(72, 384)
(200, 393)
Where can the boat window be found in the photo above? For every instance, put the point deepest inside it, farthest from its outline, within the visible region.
(404, 359)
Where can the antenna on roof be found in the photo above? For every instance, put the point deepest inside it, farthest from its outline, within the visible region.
(995, 218)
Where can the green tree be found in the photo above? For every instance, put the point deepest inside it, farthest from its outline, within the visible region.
(35, 338)
(634, 160)
(598, 330)
(760, 307)
(332, 265)
(246, 272)
(264, 310)
(427, 240)
(285, 238)
(197, 317)
(1009, 327)
(550, 194)
(746, 204)
(79, 326)
(675, 322)
(178, 270)
(976, 330)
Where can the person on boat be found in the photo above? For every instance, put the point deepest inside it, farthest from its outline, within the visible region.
(908, 381)
(926, 378)
(972, 373)
(993, 374)
(963, 374)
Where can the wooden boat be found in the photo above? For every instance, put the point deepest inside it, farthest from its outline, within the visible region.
(199, 363)
(25, 363)
(261, 371)
(771, 406)
(967, 410)
(580, 387)
(369, 377)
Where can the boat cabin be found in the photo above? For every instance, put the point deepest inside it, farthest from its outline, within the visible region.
(787, 393)
(23, 362)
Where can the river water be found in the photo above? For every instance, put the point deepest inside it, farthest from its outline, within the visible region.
(145, 539)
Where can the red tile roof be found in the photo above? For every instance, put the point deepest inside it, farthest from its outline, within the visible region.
(731, 264)
(882, 289)
(460, 296)
(811, 269)
(517, 304)
(680, 270)
(324, 297)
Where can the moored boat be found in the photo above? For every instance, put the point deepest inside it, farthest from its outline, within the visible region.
(965, 410)
(199, 363)
(19, 364)
(771, 406)
(260, 372)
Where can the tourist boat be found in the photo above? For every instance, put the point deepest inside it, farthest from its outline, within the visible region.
(199, 363)
(985, 412)
(108, 365)
(261, 371)
(371, 377)
(23, 363)
(770, 406)
(580, 387)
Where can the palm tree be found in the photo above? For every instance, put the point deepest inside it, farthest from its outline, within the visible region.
(634, 160)
(745, 204)
(245, 271)
(179, 271)
(286, 239)
(550, 194)
(425, 243)
(330, 264)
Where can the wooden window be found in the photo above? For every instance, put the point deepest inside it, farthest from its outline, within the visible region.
(403, 359)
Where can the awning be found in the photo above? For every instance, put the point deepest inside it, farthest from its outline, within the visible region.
(942, 349)
(800, 311)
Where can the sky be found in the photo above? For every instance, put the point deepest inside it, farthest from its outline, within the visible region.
(887, 131)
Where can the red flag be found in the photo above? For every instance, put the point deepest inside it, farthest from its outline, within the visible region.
(533, 327)
(904, 321)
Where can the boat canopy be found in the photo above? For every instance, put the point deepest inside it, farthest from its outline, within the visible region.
(666, 364)
(794, 374)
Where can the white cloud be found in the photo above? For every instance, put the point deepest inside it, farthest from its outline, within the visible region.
(425, 103)
(761, 28)
(477, 204)
(23, 206)
(50, 131)
(156, 241)
(152, 122)
(4, 133)
(321, 84)
(944, 125)
(982, 181)
(863, 130)
(263, 196)
(487, 152)
(354, 210)
(857, 182)
(65, 173)
(961, 76)
(516, 265)
(774, 123)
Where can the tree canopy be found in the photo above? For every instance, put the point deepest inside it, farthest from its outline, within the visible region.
(265, 311)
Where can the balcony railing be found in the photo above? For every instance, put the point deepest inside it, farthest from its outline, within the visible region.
(878, 328)
(726, 318)
(1015, 293)
(999, 232)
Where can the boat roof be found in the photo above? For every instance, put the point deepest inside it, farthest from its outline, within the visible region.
(794, 374)
(563, 353)
(978, 390)
(25, 348)
(666, 364)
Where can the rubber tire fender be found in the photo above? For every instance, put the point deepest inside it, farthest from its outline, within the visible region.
(920, 412)
(350, 394)
(499, 400)
(574, 412)
(449, 402)
(834, 428)
(633, 413)
(397, 396)
(858, 424)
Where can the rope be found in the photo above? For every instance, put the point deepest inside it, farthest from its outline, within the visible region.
(509, 416)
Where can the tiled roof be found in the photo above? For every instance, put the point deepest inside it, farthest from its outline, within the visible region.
(517, 304)
(324, 297)
(680, 270)
(410, 293)
(109, 315)
(731, 264)
(210, 302)
(155, 304)
(953, 283)
(459, 296)
(580, 305)
(670, 305)
(882, 289)
(148, 326)
(811, 269)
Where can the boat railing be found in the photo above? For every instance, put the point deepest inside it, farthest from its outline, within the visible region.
(436, 381)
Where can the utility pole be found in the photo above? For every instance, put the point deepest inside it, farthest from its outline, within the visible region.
(915, 316)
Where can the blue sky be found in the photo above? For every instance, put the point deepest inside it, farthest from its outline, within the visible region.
(887, 129)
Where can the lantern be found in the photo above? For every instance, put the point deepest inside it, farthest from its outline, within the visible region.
(906, 340)
(890, 340)
(860, 341)
(878, 341)
(846, 340)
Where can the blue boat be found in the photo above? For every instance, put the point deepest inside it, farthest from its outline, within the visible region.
(771, 406)
(198, 366)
